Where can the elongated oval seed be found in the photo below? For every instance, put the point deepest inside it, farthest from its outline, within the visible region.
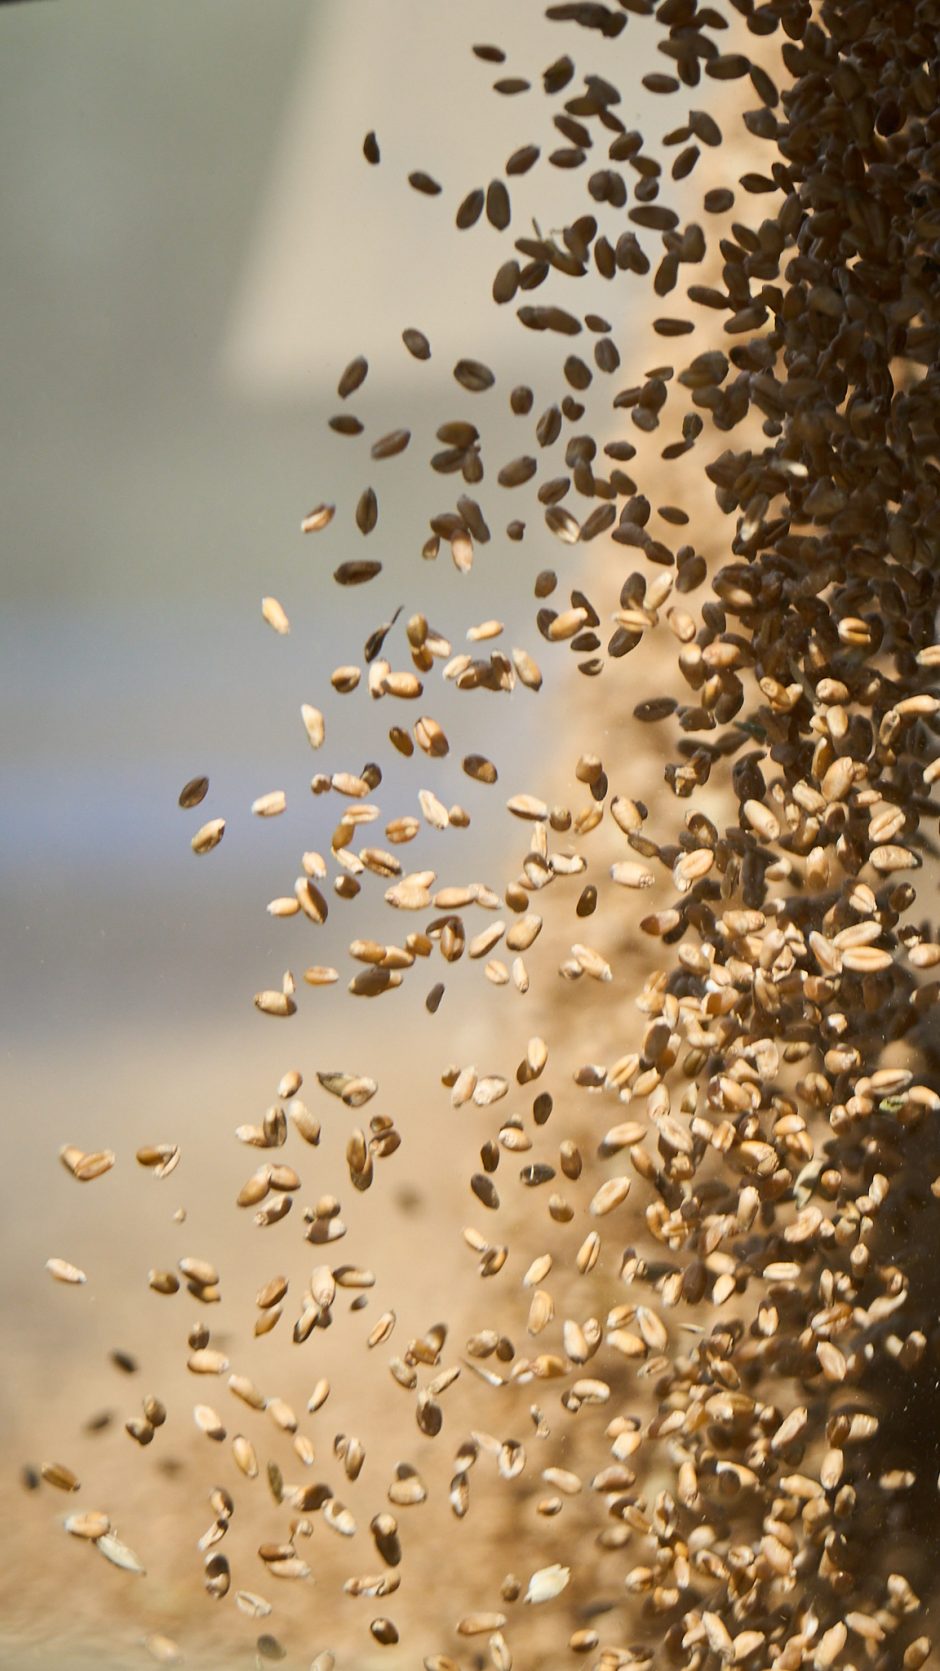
(470, 209)
(64, 1272)
(91, 1525)
(474, 375)
(57, 1474)
(270, 805)
(119, 1554)
(390, 445)
(353, 376)
(416, 343)
(208, 836)
(314, 725)
(193, 792)
(320, 517)
(630, 874)
(367, 511)
(275, 615)
(609, 1196)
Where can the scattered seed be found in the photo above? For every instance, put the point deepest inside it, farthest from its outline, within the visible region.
(193, 792)
(118, 1553)
(275, 616)
(416, 343)
(64, 1272)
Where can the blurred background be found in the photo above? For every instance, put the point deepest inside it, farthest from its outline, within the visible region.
(192, 248)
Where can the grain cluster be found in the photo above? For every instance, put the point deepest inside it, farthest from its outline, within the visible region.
(705, 1342)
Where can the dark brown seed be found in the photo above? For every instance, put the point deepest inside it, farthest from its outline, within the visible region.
(522, 160)
(570, 1156)
(474, 375)
(477, 766)
(194, 792)
(758, 183)
(600, 519)
(506, 282)
(764, 87)
(533, 274)
(432, 1002)
(416, 343)
(458, 432)
(353, 377)
(548, 427)
(485, 1190)
(345, 424)
(519, 470)
(374, 642)
(470, 209)
(510, 84)
(356, 572)
(704, 127)
(575, 131)
(577, 373)
(587, 903)
(656, 217)
(367, 511)
(539, 1172)
(384, 1631)
(388, 446)
(473, 518)
(498, 210)
(423, 183)
(557, 75)
(657, 708)
(728, 66)
(521, 400)
(719, 200)
(685, 162)
(402, 741)
(370, 148)
(708, 297)
(490, 54)
(567, 156)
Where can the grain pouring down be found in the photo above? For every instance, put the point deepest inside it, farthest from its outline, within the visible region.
(694, 1411)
